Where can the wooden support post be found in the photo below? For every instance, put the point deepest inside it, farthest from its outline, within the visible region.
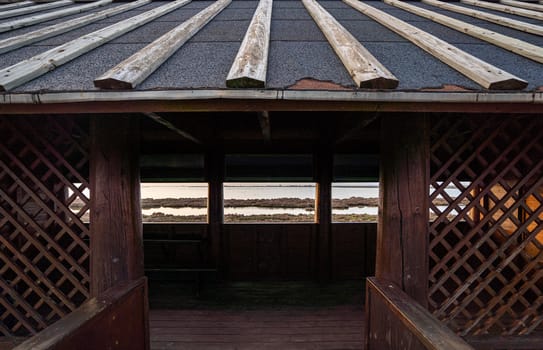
(116, 230)
(215, 212)
(323, 212)
(402, 238)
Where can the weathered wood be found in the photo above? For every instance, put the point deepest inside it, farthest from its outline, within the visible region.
(264, 121)
(324, 161)
(501, 20)
(18, 41)
(27, 21)
(115, 319)
(14, 4)
(402, 240)
(523, 4)
(214, 165)
(135, 69)
(396, 321)
(36, 8)
(491, 342)
(251, 63)
(503, 8)
(364, 68)
(34, 67)
(116, 228)
(477, 70)
(157, 118)
(517, 46)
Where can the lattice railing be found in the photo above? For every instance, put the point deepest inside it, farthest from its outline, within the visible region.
(44, 252)
(486, 234)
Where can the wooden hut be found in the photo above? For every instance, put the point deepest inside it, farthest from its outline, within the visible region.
(99, 96)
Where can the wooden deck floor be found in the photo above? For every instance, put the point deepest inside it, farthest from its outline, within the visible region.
(337, 328)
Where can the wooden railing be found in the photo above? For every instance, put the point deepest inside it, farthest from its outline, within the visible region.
(118, 319)
(396, 321)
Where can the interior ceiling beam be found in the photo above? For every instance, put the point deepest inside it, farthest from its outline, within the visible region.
(357, 129)
(264, 120)
(172, 127)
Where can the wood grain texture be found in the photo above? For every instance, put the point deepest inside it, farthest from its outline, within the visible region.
(116, 227)
(40, 64)
(135, 69)
(402, 239)
(251, 63)
(504, 8)
(364, 68)
(477, 70)
(523, 4)
(30, 9)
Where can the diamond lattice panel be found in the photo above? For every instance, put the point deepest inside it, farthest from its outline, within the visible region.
(43, 238)
(486, 232)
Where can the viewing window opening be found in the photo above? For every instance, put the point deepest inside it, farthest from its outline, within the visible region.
(174, 202)
(269, 202)
(355, 201)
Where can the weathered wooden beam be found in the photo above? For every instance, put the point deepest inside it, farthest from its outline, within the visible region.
(135, 69)
(34, 67)
(517, 46)
(364, 68)
(116, 247)
(16, 4)
(503, 8)
(481, 72)
(265, 126)
(251, 62)
(172, 127)
(36, 8)
(504, 21)
(18, 41)
(402, 239)
(214, 168)
(523, 4)
(27, 21)
(324, 160)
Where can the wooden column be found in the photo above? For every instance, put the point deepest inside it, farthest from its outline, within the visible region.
(323, 212)
(215, 209)
(116, 230)
(402, 238)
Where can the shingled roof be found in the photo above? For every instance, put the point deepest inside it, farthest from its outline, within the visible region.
(300, 56)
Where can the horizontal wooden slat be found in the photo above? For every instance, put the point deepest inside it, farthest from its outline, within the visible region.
(517, 46)
(34, 67)
(27, 21)
(18, 41)
(479, 71)
(523, 4)
(504, 21)
(251, 62)
(4, 7)
(136, 68)
(504, 8)
(364, 68)
(32, 9)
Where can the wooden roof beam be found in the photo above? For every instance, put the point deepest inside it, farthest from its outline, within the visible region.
(135, 69)
(477, 70)
(503, 21)
(504, 8)
(36, 8)
(40, 64)
(15, 5)
(522, 4)
(251, 62)
(364, 68)
(264, 121)
(27, 21)
(157, 118)
(517, 46)
(18, 41)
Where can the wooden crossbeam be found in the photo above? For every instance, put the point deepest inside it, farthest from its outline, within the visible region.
(477, 70)
(504, 21)
(32, 9)
(251, 62)
(40, 64)
(504, 8)
(14, 5)
(18, 41)
(522, 4)
(265, 126)
(364, 68)
(135, 69)
(517, 46)
(157, 118)
(27, 21)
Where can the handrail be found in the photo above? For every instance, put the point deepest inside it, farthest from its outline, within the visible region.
(429, 331)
